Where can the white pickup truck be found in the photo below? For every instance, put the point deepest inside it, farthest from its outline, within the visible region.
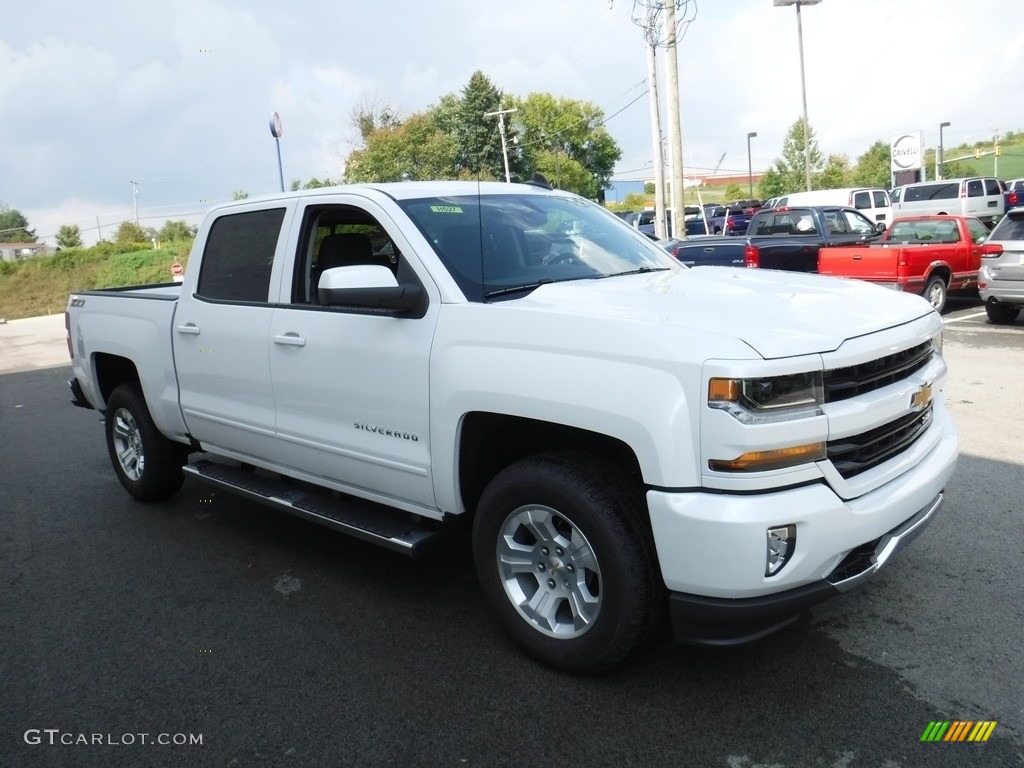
(630, 437)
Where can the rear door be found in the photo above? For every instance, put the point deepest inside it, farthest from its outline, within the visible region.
(220, 333)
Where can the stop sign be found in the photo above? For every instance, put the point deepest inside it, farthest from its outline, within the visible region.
(177, 270)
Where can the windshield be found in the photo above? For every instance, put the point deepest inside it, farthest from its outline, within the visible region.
(503, 246)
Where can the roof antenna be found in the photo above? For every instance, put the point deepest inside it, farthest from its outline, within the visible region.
(538, 180)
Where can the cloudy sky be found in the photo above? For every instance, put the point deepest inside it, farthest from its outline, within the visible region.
(176, 94)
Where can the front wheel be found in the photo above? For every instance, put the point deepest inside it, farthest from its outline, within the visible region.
(565, 561)
(147, 463)
(1001, 313)
(935, 292)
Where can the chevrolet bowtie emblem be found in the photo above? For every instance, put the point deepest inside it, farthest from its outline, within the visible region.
(922, 398)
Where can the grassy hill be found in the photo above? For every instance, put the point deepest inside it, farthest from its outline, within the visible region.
(41, 286)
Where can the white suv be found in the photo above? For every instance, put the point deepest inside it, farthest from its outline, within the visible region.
(1001, 278)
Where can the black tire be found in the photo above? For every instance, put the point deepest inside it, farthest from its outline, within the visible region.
(585, 554)
(935, 293)
(147, 463)
(1001, 313)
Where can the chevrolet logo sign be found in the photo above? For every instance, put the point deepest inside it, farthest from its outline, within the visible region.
(922, 398)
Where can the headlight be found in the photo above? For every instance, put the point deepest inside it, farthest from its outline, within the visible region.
(937, 343)
(768, 399)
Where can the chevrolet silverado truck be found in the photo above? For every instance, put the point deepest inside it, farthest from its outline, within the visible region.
(787, 238)
(927, 255)
(630, 438)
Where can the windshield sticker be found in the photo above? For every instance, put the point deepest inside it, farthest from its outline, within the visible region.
(446, 209)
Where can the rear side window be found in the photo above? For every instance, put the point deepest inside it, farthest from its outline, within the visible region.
(974, 188)
(940, 191)
(861, 200)
(881, 201)
(992, 187)
(239, 256)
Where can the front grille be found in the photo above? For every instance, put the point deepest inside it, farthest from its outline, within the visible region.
(853, 380)
(859, 453)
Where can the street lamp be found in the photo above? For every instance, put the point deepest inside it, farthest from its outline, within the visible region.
(750, 167)
(135, 195)
(940, 169)
(803, 82)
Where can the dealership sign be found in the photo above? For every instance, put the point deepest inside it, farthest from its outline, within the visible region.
(905, 152)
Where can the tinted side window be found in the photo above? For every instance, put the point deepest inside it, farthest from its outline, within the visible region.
(979, 232)
(992, 187)
(239, 255)
(861, 200)
(858, 223)
(940, 191)
(880, 199)
(974, 188)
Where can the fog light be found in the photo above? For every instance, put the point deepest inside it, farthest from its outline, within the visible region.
(781, 544)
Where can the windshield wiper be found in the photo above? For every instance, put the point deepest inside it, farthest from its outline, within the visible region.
(638, 271)
(517, 288)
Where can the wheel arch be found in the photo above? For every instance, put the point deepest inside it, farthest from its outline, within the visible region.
(111, 371)
(489, 442)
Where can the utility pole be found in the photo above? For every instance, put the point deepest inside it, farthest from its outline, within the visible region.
(650, 18)
(135, 189)
(674, 130)
(504, 144)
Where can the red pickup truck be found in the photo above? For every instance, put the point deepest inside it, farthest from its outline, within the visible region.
(928, 255)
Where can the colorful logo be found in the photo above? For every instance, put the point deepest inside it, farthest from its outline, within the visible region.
(958, 730)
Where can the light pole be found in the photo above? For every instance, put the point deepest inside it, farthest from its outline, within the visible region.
(750, 167)
(504, 144)
(803, 82)
(940, 170)
(135, 191)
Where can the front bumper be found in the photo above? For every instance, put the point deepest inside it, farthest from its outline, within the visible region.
(724, 621)
(712, 547)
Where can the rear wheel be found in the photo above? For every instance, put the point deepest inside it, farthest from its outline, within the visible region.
(147, 463)
(565, 562)
(1001, 313)
(935, 292)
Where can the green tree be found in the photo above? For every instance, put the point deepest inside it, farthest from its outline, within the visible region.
(371, 115)
(479, 140)
(415, 150)
(175, 231)
(14, 226)
(873, 167)
(69, 236)
(835, 174)
(790, 166)
(733, 192)
(239, 194)
(130, 232)
(570, 132)
(771, 184)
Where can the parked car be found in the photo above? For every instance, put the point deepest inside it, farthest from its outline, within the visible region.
(1001, 279)
(748, 206)
(927, 255)
(981, 197)
(728, 221)
(872, 202)
(784, 238)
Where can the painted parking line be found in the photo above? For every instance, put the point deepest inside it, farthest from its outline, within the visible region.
(965, 317)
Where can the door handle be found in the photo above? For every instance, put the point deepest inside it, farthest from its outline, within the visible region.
(290, 340)
(190, 329)
(857, 258)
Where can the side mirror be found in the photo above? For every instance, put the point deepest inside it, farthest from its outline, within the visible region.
(880, 228)
(370, 287)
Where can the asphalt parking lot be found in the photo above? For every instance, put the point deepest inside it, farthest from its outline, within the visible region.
(279, 643)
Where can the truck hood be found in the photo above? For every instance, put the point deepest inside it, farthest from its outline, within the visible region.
(778, 314)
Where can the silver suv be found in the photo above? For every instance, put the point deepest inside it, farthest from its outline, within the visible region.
(1001, 278)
